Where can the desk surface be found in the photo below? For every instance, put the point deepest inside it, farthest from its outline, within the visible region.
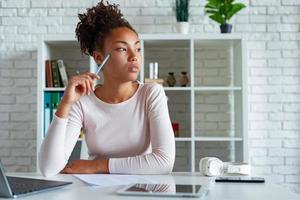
(229, 191)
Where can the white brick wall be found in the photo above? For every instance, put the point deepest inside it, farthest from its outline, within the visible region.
(270, 26)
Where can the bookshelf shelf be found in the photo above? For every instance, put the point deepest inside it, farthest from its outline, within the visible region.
(211, 112)
(218, 88)
(177, 88)
(218, 139)
(54, 89)
(183, 139)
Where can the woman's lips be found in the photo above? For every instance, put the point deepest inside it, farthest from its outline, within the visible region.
(133, 69)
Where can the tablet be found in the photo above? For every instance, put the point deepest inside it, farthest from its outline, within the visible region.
(171, 190)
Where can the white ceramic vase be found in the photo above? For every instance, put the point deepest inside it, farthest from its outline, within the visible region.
(183, 27)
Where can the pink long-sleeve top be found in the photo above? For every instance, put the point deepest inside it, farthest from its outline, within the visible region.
(135, 135)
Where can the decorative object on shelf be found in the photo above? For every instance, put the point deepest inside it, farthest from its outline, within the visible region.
(221, 11)
(175, 126)
(153, 70)
(171, 81)
(182, 16)
(184, 79)
(153, 74)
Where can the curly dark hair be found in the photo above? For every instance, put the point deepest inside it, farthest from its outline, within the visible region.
(96, 24)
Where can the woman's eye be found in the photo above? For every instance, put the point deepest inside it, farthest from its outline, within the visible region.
(121, 49)
(138, 49)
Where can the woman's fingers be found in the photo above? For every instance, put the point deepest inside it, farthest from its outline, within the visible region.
(91, 79)
(92, 75)
(91, 82)
(92, 85)
(86, 89)
(81, 84)
(88, 86)
(85, 82)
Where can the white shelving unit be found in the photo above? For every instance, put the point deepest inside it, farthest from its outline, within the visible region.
(211, 110)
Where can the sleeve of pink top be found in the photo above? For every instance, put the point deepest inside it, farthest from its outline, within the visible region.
(162, 158)
(59, 142)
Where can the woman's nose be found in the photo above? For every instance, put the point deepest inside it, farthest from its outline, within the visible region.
(133, 56)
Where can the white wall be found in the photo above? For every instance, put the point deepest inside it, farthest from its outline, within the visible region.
(270, 26)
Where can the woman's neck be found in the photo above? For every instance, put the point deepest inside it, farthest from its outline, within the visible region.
(116, 92)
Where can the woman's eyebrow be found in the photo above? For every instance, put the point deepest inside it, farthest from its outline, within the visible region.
(126, 43)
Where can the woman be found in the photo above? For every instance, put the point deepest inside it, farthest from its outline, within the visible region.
(127, 125)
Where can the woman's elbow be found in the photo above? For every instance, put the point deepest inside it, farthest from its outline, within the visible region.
(168, 169)
(168, 163)
(46, 172)
(48, 169)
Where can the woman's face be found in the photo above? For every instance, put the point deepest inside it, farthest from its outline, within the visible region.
(125, 55)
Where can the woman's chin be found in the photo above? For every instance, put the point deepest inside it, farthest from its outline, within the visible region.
(130, 78)
(133, 76)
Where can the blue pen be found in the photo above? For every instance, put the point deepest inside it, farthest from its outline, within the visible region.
(103, 63)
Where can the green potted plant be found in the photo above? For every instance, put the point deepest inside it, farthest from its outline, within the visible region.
(182, 15)
(221, 11)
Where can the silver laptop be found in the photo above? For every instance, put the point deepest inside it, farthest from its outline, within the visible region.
(12, 187)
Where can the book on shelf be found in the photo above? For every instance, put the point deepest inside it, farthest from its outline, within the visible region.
(55, 100)
(62, 72)
(49, 79)
(51, 102)
(56, 74)
(47, 111)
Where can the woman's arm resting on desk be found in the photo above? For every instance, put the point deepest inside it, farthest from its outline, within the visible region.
(87, 167)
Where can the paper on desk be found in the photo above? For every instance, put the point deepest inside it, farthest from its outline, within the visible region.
(106, 180)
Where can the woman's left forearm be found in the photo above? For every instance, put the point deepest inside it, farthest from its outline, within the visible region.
(87, 167)
(102, 165)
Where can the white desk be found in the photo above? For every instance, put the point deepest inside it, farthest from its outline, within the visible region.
(228, 191)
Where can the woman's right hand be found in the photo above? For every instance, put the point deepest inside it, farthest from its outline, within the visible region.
(77, 86)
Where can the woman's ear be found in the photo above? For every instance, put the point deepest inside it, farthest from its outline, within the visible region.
(98, 57)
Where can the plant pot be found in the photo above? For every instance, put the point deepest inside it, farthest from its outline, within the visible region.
(226, 28)
(183, 27)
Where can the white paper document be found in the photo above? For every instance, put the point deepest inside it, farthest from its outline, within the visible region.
(106, 180)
